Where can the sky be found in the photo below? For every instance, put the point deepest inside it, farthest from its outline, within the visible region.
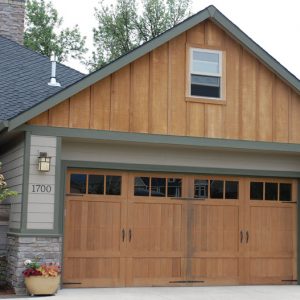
(273, 24)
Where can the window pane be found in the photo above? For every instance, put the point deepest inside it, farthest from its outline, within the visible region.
(231, 190)
(78, 183)
(158, 187)
(216, 189)
(205, 91)
(271, 191)
(206, 56)
(141, 186)
(174, 187)
(205, 67)
(113, 185)
(206, 80)
(256, 190)
(200, 188)
(285, 192)
(96, 184)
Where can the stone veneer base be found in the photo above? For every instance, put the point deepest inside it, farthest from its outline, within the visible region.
(19, 248)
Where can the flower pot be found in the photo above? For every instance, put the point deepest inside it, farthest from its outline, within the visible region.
(41, 285)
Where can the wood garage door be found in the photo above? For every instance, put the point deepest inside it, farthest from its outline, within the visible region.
(141, 229)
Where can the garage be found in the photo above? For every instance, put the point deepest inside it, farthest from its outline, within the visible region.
(172, 229)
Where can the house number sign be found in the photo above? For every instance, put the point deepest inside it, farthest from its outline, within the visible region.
(41, 188)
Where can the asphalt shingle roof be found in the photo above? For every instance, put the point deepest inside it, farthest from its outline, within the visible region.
(24, 77)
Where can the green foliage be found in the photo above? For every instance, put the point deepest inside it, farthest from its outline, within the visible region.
(120, 28)
(4, 191)
(43, 32)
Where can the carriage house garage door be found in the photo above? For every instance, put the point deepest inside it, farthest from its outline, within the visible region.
(159, 229)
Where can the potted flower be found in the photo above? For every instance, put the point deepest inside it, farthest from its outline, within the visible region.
(41, 278)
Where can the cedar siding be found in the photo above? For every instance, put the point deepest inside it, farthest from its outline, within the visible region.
(150, 96)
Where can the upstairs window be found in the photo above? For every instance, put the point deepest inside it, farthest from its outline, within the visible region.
(205, 73)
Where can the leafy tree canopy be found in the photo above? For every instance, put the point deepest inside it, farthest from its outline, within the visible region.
(120, 28)
(43, 32)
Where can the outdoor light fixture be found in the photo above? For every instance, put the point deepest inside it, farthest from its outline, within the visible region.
(44, 162)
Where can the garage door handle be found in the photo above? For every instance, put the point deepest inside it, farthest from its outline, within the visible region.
(247, 237)
(129, 235)
(241, 236)
(123, 235)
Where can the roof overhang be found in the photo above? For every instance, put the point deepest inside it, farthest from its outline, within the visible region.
(210, 13)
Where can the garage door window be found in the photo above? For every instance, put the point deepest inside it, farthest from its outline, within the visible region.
(271, 191)
(96, 184)
(157, 186)
(78, 184)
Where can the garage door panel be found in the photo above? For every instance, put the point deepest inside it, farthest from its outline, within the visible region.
(155, 227)
(279, 269)
(102, 269)
(272, 230)
(213, 228)
(213, 268)
(161, 269)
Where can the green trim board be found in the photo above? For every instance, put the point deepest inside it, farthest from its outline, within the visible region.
(208, 13)
(163, 139)
(298, 235)
(176, 169)
(26, 158)
(58, 183)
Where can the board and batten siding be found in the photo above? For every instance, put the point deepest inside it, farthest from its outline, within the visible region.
(12, 168)
(150, 96)
(40, 209)
(178, 156)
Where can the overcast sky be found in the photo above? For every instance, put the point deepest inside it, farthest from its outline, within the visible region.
(273, 24)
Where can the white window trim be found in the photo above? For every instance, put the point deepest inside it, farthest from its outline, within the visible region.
(220, 74)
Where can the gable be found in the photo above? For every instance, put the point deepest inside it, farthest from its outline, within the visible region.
(149, 96)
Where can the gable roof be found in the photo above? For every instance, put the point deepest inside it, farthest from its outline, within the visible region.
(210, 13)
(24, 77)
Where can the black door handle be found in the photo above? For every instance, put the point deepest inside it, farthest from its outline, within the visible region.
(241, 236)
(247, 237)
(123, 235)
(129, 235)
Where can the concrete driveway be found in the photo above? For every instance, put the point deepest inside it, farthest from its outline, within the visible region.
(181, 293)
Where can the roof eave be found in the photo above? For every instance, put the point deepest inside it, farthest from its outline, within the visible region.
(3, 125)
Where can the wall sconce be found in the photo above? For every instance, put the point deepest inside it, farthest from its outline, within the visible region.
(44, 162)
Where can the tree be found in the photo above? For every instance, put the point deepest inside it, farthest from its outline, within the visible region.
(43, 32)
(4, 191)
(120, 28)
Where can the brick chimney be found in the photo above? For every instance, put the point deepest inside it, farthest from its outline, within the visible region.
(12, 19)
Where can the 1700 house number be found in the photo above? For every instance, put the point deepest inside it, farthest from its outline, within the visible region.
(41, 188)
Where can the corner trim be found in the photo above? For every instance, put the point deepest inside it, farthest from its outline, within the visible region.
(58, 183)
(25, 182)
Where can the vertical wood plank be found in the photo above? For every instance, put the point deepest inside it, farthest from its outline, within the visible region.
(233, 56)
(139, 102)
(120, 93)
(59, 114)
(195, 111)
(41, 119)
(248, 97)
(214, 114)
(264, 104)
(100, 104)
(158, 106)
(80, 107)
(294, 130)
(281, 112)
(176, 103)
